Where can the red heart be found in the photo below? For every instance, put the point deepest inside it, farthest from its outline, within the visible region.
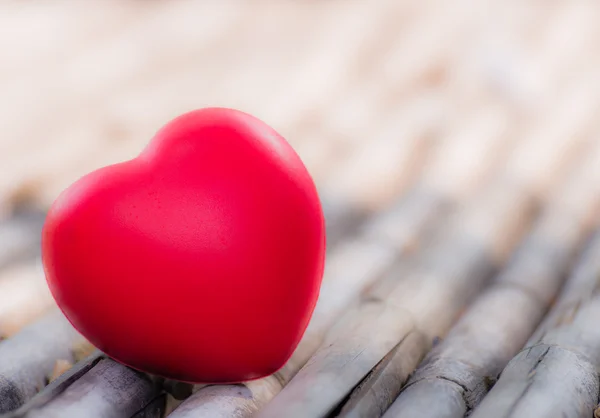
(201, 259)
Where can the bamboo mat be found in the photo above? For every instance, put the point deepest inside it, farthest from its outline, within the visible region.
(456, 149)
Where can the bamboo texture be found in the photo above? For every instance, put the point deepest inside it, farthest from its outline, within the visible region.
(459, 371)
(556, 374)
(28, 359)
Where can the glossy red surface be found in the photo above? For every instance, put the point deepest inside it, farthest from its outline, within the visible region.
(200, 260)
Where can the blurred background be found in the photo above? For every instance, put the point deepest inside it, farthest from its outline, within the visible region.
(375, 96)
(84, 84)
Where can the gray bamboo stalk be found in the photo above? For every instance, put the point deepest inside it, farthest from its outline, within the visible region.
(107, 390)
(28, 358)
(350, 352)
(344, 359)
(458, 372)
(556, 375)
(57, 386)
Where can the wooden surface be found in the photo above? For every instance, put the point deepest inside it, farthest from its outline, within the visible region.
(456, 148)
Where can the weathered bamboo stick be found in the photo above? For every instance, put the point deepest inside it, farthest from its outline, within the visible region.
(57, 386)
(28, 358)
(351, 267)
(556, 375)
(379, 387)
(24, 297)
(106, 390)
(352, 350)
(458, 372)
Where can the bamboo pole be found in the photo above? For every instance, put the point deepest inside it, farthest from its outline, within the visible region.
(458, 372)
(28, 358)
(57, 386)
(344, 359)
(106, 390)
(556, 374)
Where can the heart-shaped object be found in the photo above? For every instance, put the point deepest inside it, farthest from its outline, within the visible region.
(200, 260)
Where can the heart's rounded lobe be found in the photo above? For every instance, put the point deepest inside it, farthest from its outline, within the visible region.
(201, 259)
